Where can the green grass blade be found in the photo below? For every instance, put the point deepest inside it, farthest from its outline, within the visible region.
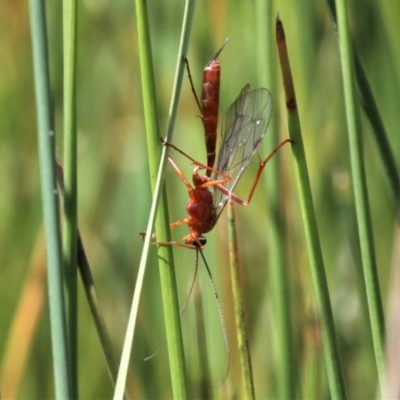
(50, 200)
(242, 337)
(93, 301)
(70, 227)
(284, 358)
(360, 191)
(331, 352)
(157, 166)
(90, 291)
(378, 128)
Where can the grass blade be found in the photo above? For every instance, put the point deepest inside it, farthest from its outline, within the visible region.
(93, 300)
(90, 291)
(282, 326)
(360, 191)
(371, 111)
(157, 167)
(50, 200)
(244, 351)
(331, 352)
(70, 226)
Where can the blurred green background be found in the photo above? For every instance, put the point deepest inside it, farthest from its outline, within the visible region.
(114, 192)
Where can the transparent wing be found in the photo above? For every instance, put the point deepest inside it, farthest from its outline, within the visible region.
(244, 127)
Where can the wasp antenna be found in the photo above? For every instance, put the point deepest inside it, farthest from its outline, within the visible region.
(221, 318)
(192, 285)
(157, 351)
(192, 85)
(183, 308)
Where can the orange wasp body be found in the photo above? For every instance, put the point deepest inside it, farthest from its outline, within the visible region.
(245, 126)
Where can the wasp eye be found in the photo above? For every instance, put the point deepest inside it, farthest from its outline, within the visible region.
(199, 242)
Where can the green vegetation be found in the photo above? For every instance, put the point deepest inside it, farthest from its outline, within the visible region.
(115, 196)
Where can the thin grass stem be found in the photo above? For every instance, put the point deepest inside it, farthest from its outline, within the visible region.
(242, 337)
(93, 301)
(50, 201)
(331, 352)
(70, 225)
(364, 222)
(372, 113)
(91, 293)
(285, 360)
(157, 163)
